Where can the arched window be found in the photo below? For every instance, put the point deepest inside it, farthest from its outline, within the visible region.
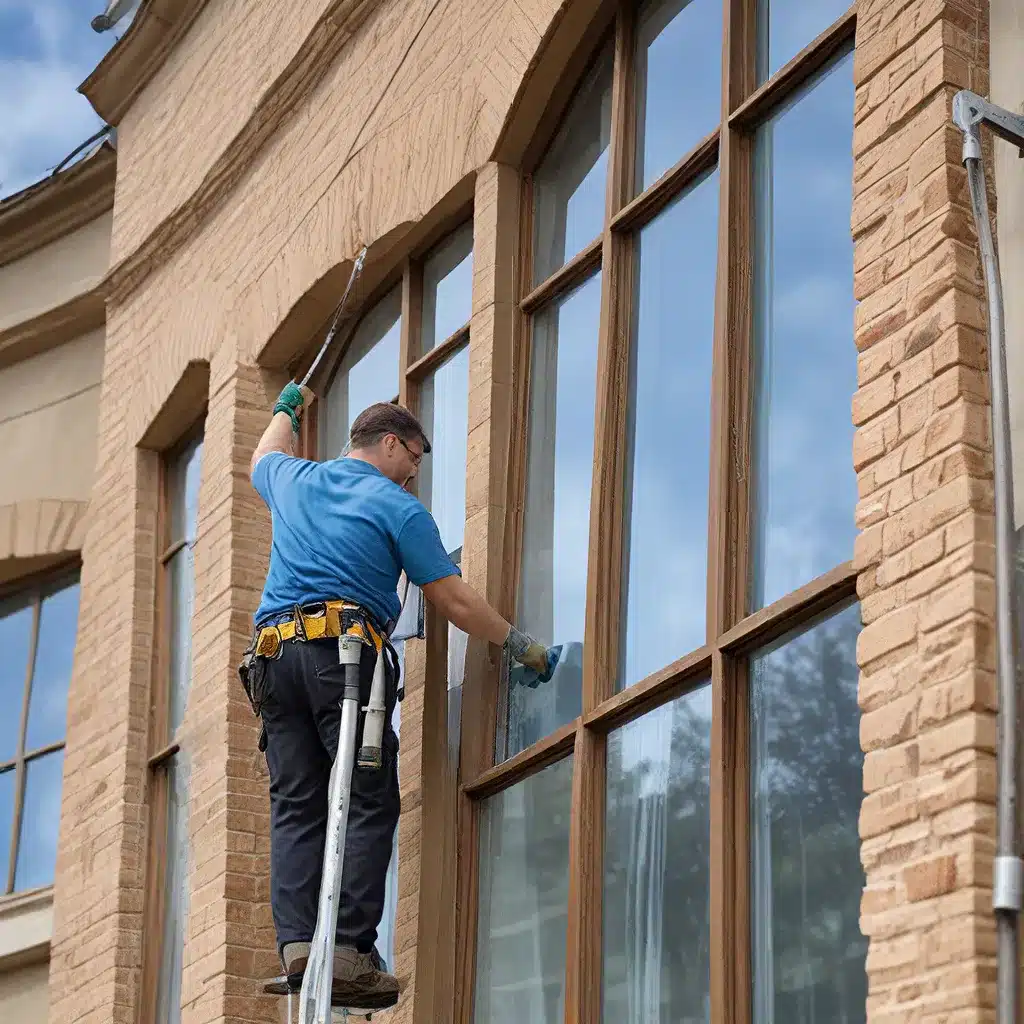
(670, 829)
(412, 346)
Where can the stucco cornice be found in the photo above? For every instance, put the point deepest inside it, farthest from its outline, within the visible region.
(311, 62)
(57, 205)
(40, 527)
(133, 61)
(84, 312)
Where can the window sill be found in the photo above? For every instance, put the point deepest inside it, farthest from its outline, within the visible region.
(26, 927)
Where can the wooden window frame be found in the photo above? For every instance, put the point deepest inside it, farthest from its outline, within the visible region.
(732, 633)
(414, 370)
(160, 748)
(33, 587)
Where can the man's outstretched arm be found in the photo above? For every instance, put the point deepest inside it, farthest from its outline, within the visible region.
(461, 605)
(290, 405)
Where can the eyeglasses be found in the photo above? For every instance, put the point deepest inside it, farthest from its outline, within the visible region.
(416, 458)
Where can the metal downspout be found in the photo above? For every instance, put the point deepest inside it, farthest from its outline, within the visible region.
(970, 112)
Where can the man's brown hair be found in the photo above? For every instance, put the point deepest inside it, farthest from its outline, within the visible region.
(381, 419)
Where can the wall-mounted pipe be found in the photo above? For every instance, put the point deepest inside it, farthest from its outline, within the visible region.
(970, 112)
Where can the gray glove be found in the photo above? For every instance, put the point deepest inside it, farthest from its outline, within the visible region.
(524, 649)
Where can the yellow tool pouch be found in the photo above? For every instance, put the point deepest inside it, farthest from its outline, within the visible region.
(324, 620)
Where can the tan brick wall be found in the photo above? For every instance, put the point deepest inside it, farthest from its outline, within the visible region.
(350, 165)
(922, 451)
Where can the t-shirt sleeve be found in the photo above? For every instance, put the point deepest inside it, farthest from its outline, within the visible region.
(421, 552)
(271, 470)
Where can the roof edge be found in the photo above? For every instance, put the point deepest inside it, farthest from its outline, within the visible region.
(135, 58)
(58, 204)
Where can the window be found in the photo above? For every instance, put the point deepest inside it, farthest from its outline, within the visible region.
(412, 346)
(676, 809)
(368, 371)
(38, 625)
(169, 763)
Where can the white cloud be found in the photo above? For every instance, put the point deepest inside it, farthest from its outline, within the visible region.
(47, 48)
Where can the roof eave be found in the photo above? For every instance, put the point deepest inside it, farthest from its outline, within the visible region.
(57, 205)
(137, 56)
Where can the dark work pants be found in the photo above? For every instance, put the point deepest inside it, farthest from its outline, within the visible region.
(302, 716)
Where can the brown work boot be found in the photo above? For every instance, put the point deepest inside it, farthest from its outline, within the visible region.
(361, 981)
(358, 980)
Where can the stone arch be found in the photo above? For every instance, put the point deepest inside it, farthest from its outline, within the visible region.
(571, 40)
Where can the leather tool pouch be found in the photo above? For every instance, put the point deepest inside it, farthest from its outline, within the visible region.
(253, 673)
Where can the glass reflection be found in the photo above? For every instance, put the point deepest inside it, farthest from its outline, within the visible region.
(569, 184)
(183, 486)
(51, 674)
(560, 465)
(805, 488)
(679, 81)
(40, 822)
(656, 866)
(8, 783)
(523, 900)
(444, 407)
(368, 371)
(805, 795)
(176, 892)
(15, 641)
(665, 552)
(785, 27)
(447, 288)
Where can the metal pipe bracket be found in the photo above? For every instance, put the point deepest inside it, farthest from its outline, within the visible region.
(1008, 884)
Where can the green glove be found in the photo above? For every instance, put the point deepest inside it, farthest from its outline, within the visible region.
(290, 401)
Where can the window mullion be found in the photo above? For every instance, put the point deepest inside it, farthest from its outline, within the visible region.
(728, 530)
(604, 575)
(730, 858)
(19, 768)
(583, 990)
(412, 332)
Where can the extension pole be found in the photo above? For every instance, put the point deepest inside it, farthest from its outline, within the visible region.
(315, 998)
(970, 112)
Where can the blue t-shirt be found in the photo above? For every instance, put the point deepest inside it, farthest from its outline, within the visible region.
(341, 529)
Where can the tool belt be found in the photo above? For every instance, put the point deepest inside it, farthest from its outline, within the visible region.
(318, 621)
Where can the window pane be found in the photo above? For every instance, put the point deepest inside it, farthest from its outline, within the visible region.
(8, 782)
(679, 81)
(448, 287)
(569, 184)
(175, 893)
(183, 491)
(524, 892)
(40, 822)
(665, 556)
(15, 641)
(806, 785)
(785, 27)
(560, 464)
(444, 405)
(368, 372)
(656, 866)
(805, 488)
(181, 596)
(51, 674)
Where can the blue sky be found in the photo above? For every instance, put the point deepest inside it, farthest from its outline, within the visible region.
(47, 49)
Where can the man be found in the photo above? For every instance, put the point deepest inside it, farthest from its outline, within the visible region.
(343, 530)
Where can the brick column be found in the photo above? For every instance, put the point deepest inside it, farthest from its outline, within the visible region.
(925, 555)
(230, 944)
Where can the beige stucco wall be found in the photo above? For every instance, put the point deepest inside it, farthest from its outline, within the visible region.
(24, 994)
(49, 406)
(1007, 26)
(56, 273)
(25, 931)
